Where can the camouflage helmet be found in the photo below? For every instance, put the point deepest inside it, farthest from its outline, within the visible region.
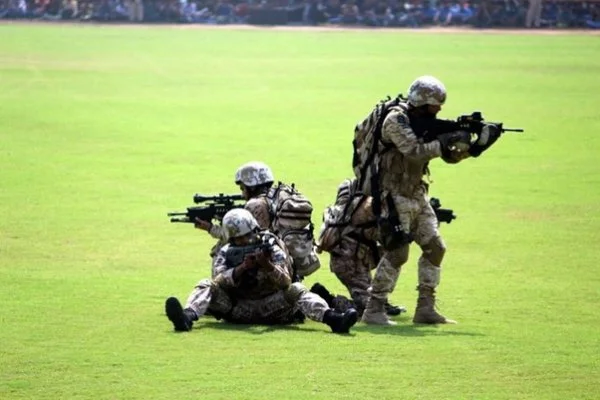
(254, 173)
(239, 222)
(426, 90)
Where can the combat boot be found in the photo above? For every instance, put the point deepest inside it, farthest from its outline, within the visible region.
(340, 322)
(323, 293)
(375, 313)
(425, 312)
(182, 319)
(393, 310)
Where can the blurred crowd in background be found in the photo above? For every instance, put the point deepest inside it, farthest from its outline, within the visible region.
(533, 14)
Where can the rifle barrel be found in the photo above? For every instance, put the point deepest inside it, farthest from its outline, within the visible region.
(513, 130)
(186, 220)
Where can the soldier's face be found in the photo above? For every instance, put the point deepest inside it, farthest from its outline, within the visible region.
(433, 110)
(242, 240)
(245, 192)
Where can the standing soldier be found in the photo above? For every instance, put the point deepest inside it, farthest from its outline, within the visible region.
(406, 213)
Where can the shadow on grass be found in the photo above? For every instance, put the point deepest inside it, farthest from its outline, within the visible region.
(406, 327)
(254, 329)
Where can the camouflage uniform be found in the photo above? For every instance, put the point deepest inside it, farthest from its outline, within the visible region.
(266, 297)
(251, 174)
(402, 167)
(258, 207)
(251, 288)
(358, 251)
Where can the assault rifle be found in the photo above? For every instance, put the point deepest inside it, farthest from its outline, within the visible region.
(215, 210)
(235, 254)
(430, 128)
(442, 214)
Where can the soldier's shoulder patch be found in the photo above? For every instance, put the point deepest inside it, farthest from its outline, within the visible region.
(402, 119)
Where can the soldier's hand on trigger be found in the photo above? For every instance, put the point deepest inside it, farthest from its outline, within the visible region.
(263, 259)
(249, 262)
(202, 225)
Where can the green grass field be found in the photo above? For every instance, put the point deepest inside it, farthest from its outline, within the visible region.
(103, 130)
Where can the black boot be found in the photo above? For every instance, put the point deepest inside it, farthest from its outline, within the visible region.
(393, 310)
(323, 293)
(340, 322)
(182, 319)
(298, 317)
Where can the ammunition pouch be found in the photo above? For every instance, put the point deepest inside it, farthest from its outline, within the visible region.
(391, 234)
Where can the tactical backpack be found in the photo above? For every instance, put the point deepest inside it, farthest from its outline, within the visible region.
(367, 153)
(338, 221)
(291, 214)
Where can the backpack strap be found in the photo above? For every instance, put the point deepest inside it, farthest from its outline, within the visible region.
(384, 109)
(271, 197)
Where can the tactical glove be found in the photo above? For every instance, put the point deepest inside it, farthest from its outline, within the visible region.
(489, 134)
(458, 140)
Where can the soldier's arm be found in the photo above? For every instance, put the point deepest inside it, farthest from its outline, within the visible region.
(223, 275)
(259, 208)
(276, 263)
(218, 232)
(396, 130)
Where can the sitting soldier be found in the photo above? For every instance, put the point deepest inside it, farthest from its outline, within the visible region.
(252, 284)
(255, 180)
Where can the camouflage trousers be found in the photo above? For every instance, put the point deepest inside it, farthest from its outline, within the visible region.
(417, 218)
(355, 274)
(277, 308)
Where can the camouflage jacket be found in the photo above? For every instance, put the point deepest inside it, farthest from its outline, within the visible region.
(405, 162)
(258, 207)
(258, 282)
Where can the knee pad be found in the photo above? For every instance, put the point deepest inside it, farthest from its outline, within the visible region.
(434, 250)
(294, 291)
(397, 257)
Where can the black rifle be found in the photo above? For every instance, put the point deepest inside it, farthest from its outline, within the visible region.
(430, 128)
(235, 254)
(215, 210)
(442, 214)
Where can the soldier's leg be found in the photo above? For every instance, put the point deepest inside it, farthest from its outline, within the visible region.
(205, 295)
(208, 296)
(370, 262)
(433, 249)
(271, 310)
(315, 308)
(355, 276)
(384, 282)
(396, 239)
